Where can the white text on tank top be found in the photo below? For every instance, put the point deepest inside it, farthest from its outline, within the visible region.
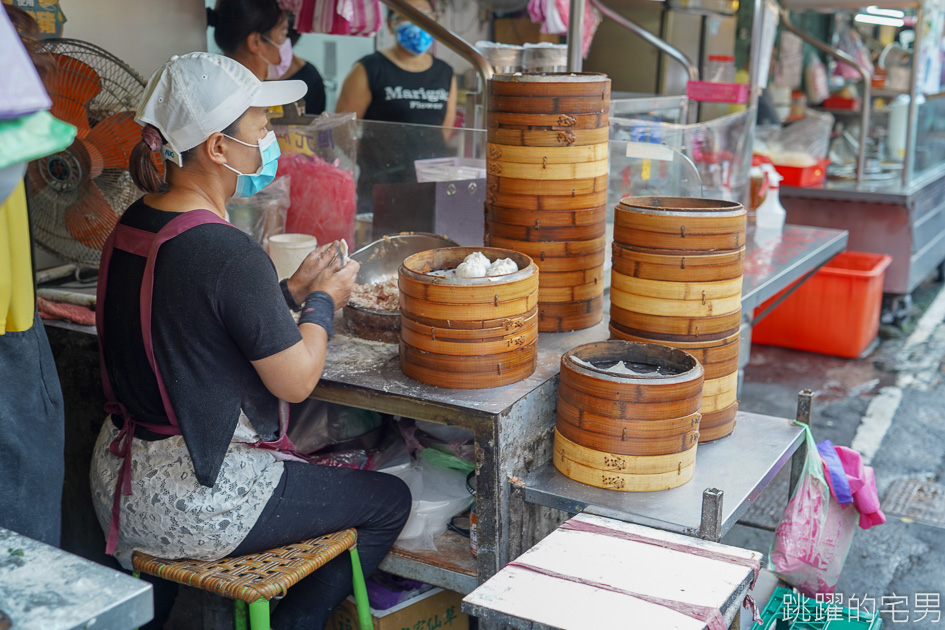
(419, 99)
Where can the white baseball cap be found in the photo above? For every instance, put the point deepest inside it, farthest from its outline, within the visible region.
(198, 94)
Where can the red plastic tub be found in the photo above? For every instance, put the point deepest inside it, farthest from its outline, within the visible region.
(803, 177)
(836, 312)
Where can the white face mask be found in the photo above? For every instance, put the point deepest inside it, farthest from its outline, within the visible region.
(276, 71)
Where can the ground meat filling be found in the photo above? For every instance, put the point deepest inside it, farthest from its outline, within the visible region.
(383, 296)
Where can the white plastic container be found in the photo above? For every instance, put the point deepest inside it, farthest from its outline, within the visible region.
(289, 250)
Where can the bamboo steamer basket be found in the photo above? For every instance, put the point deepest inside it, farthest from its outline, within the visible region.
(667, 224)
(550, 93)
(546, 219)
(547, 121)
(639, 429)
(719, 359)
(676, 308)
(542, 250)
(627, 473)
(675, 328)
(678, 268)
(526, 187)
(567, 316)
(528, 137)
(548, 155)
(467, 333)
(544, 231)
(547, 202)
(548, 171)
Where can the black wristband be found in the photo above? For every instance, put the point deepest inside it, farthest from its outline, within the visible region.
(289, 300)
(319, 309)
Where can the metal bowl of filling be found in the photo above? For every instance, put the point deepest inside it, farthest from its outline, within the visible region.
(374, 309)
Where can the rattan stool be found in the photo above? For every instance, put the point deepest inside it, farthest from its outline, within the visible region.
(256, 578)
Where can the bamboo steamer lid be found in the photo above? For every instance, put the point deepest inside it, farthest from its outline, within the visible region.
(468, 333)
(547, 93)
(667, 224)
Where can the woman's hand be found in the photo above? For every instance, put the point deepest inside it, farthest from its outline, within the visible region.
(322, 271)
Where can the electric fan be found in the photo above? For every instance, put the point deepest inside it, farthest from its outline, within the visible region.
(77, 195)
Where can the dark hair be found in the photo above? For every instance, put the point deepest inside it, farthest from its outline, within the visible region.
(28, 30)
(143, 167)
(235, 20)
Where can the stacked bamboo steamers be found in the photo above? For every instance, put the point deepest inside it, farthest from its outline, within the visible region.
(546, 194)
(677, 281)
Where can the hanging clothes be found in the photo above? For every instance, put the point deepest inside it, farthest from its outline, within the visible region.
(552, 15)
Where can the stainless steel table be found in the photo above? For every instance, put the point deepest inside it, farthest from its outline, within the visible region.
(45, 588)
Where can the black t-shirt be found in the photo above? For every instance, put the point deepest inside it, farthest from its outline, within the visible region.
(217, 305)
(315, 96)
(407, 97)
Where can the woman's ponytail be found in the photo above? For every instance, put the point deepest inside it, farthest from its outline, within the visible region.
(144, 171)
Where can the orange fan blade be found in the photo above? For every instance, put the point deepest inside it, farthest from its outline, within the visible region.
(71, 87)
(91, 219)
(115, 138)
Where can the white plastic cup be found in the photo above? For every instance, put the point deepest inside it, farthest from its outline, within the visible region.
(289, 250)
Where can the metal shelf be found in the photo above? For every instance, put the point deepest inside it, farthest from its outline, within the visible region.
(741, 466)
(451, 566)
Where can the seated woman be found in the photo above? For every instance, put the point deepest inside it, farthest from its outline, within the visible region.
(199, 348)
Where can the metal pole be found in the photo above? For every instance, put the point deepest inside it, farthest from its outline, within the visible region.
(451, 40)
(576, 36)
(691, 69)
(754, 54)
(867, 104)
(908, 160)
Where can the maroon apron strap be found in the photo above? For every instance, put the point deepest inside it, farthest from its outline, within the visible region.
(145, 244)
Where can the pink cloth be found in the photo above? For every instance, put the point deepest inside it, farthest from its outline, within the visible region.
(863, 486)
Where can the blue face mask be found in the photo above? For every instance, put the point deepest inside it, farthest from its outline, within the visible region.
(248, 184)
(413, 38)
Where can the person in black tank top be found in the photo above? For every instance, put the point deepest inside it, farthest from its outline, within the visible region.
(402, 84)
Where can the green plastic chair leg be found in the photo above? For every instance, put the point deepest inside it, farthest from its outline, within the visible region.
(259, 615)
(239, 614)
(360, 591)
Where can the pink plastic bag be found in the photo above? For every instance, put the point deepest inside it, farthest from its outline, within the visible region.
(814, 536)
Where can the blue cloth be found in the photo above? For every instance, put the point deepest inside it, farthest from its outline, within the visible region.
(839, 485)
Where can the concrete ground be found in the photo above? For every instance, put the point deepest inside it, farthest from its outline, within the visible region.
(890, 406)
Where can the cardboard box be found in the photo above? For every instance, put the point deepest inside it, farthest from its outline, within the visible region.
(434, 610)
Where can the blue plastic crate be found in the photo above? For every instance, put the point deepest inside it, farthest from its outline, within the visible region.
(787, 610)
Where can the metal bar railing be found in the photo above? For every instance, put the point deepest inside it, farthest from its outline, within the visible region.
(867, 103)
(576, 36)
(691, 69)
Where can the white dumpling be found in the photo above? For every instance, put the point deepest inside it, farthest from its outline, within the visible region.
(501, 267)
(470, 269)
(479, 258)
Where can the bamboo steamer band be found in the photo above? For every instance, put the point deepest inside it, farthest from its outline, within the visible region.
(682, 223)
(551, 249)
(608, 408)
(626, 429)
(578, 293)
(548, 104)
(719, 424)
(495, 364)
(642, 447)
(657, 306)
(556, 203)
(548, 155)
(718, 402)
(615, 480)
(551, 84)
(517, 325)
(471, 347)
(440, 310)
(575, 122)
(571, 189)
(540, 219)
(469, 380)
(546, 233)
(476, 326)
(550, 321)
(721, 385)
(673, 268)
(666, 210)
(567, 171)
(629, 464)
(678, 260)
(680, 242)
(677, 291)
(494, 293)
(674, 328)
(537, 137)
(569, 279)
